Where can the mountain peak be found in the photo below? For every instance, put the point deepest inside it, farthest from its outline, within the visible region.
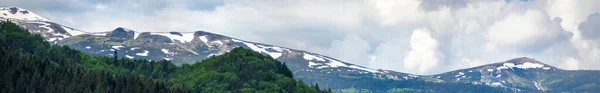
(122, 29)
(16, 13)
(521, 63)
(121, 32)
(523, 60)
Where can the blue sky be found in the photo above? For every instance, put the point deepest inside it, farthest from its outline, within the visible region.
(414, 36)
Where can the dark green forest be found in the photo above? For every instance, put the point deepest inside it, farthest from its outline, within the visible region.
(31, 64)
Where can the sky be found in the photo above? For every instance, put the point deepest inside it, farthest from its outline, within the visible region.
(413, 36)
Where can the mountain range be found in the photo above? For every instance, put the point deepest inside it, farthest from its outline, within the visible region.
(519, 74)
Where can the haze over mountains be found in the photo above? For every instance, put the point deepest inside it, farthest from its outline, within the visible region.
(520, 74)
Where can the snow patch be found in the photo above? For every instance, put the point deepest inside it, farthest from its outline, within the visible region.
(510, 65)
(135, 48)
(501, 67)
(117, 47)
(275, 55)
(334, 63)
(525, 65)
(214, 54)
(490, 70)
(145, 53)
(203, 39)
(166, 51)
(254, 47)
(185, 37)
(218, 42)
(311, 64)
(320, 67)
(98, 34)
(536, 85)
(73, 32)
(29, 16)
(278, 49)
(311, 57)
(51, 39)
(135, 35)
(361, 68)
(506, 66)
(546, 68)
(459, 74)
(130, 57)
(496, 84)
(59, 34)
(529, 65)
(235, 40)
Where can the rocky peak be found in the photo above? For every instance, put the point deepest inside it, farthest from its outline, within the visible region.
(121, 33)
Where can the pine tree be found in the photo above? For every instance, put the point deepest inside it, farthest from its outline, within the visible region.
(116, 57)
(317, 88)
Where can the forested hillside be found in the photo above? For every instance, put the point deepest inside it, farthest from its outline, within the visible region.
(30, 64)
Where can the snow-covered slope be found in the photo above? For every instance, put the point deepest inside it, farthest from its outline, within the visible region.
(190, 47)
(181, 47)
(15, 13)
(53, 32)
(523, 74)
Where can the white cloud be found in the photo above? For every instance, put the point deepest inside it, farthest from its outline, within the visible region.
(390, 54)
(393, 11)
(589, 27)
(424, 55)
(570, 63)
(525, 32)
(573, 13)
(351, 48)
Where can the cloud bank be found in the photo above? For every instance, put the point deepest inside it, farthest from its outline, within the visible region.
(413, 36)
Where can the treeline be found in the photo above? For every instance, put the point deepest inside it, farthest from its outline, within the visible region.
(30, 64)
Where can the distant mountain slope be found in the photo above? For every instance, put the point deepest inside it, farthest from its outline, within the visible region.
(36, 24)
(527, 74)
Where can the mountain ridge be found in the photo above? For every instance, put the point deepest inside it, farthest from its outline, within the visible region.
(190, 47)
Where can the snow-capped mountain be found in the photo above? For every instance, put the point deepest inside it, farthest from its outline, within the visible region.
(37, 24)
(190, 47)
(523, 74)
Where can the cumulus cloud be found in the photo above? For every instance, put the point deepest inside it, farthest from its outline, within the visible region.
(590, 28)
(573, 13)
(528, 32)
(570, 63)
(352, 47)
(380, 34)
(424, 56)
(390, 54)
